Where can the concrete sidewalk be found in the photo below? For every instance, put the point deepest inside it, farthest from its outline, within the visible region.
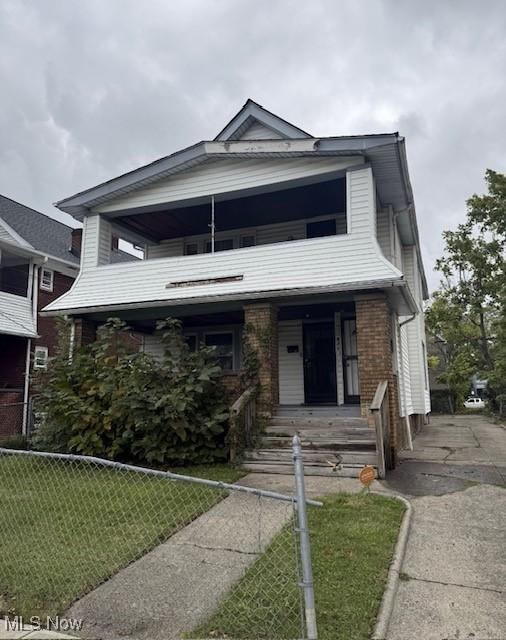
(453, 582)
(181, 582)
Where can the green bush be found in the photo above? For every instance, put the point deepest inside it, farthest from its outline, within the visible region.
(14, 442)
(107, 401)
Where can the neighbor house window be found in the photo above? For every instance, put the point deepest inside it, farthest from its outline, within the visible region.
(224, 348)
(220, 245)
(40, 358)
(47, 279)
(321, 228)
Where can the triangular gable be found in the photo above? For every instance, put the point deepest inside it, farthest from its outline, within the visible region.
(258, 131)
(8, 234)
(253, 119)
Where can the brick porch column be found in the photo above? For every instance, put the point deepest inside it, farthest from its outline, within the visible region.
(85, 331)
(261, 331)
(375, 356)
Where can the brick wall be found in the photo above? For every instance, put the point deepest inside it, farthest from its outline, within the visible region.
(232, 384)
(375, 357)
(261, 331)
(47, 327)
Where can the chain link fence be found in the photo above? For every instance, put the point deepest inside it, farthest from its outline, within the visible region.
(128, 551)
(13, 415)
(11, 419)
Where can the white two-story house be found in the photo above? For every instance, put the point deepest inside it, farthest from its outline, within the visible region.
(310, 242)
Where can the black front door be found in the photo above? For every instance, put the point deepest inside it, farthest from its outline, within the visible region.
(319, 363)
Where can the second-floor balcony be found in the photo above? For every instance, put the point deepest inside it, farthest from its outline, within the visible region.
(309, 238)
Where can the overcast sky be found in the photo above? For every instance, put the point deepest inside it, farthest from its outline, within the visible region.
(92, 88)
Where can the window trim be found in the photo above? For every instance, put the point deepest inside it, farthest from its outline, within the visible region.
(45, 354)
(50, 286)
(221, 332)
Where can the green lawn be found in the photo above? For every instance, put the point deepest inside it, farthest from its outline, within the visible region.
(353, 538)
(65, 528)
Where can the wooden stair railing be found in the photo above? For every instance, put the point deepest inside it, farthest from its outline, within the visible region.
(381, 411)
(242, 422)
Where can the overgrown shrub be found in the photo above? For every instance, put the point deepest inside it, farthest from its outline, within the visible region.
(106, 401)
(14, 442)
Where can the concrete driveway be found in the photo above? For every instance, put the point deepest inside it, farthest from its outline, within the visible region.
(453, 582)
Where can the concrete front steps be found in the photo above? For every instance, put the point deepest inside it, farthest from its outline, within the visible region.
(334, 443)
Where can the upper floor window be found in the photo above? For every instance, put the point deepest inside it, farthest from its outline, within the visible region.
(40, 357)
(191, 248)
(247, 241)
(14, 274)
(321, 228)
(47, 279)
(220, 245)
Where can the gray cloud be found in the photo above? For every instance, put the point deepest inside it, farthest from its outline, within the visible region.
(91, 89)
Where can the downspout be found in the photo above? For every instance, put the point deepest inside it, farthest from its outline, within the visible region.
(26, 390)
(24, 427)
(72, 339)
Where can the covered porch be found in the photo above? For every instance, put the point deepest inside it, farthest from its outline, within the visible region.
(322, 355)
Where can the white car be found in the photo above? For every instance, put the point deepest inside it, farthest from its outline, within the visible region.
(473, 402)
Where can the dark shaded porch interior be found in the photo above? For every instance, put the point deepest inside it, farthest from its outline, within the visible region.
(307, 201)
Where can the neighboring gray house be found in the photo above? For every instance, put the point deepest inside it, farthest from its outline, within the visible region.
(39, 261)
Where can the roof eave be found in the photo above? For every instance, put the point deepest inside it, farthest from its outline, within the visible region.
(79, 204)
(384, 283)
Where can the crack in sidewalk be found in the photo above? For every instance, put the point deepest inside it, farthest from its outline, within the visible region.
(206, 548)
(408, 577)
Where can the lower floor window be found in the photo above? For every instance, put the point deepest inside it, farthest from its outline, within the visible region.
(224, 348)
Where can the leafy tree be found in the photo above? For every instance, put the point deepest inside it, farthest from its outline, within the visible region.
(106, 401)
(467, 315)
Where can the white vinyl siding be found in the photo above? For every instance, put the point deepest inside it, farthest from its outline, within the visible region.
(339, 358)
(97, 238)
(166, 249)
(16, 317)
(361, 202)
(152, 345)
(259, 131)
(291, 365)
(5, 235)
(336, 262)
(226, 176)
(384, 232)
(415, 332)
(404, 372)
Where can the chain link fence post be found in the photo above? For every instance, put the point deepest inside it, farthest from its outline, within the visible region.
(305, 546)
